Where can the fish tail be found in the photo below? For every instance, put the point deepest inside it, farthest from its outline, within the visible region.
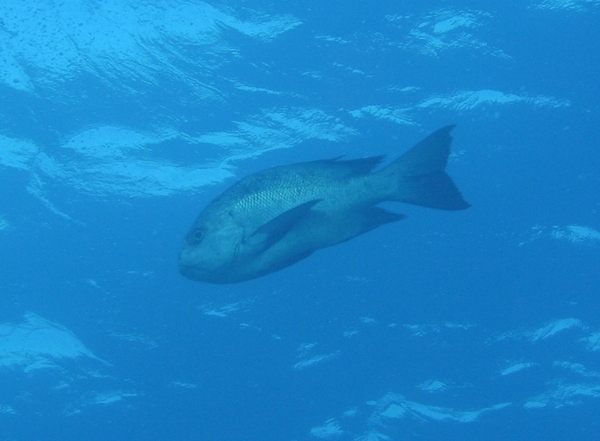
(418, 176)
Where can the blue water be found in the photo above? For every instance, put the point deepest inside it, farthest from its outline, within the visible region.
(120, 120)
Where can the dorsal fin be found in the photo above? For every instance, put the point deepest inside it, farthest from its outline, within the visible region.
(353, 167)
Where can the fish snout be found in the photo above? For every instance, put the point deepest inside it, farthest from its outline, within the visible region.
(196, 265)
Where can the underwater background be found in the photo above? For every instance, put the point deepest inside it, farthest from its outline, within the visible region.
(120, 120)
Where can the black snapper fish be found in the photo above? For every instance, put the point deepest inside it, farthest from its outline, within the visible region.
(278, 216)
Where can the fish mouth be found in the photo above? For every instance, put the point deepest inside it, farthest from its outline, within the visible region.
(200, 275)
(193, 272)
(189, 266)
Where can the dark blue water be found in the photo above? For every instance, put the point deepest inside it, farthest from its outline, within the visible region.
(119, 121)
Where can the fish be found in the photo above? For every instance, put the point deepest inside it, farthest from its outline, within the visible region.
(276, 217)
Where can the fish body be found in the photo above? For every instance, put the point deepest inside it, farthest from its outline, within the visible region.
(278, 216)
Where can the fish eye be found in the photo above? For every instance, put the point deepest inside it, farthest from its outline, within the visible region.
(195, 236)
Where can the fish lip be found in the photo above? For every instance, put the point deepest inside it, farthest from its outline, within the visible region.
(198, 275)
(191, 272)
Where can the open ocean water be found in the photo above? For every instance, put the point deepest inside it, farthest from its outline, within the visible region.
(121, 119)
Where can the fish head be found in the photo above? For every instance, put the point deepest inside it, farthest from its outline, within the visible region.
(210, 248)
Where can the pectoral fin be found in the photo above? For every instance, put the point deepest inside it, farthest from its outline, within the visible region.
(269, 233)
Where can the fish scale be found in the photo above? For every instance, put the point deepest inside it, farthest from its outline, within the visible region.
(271, 203)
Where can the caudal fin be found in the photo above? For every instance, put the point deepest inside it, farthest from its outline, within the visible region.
(418, 176)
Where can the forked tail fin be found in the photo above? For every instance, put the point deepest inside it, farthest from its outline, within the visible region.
(418, 176)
